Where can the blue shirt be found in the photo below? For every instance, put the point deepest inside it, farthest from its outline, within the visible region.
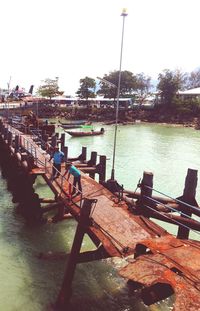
(74, 171)
(58, 157)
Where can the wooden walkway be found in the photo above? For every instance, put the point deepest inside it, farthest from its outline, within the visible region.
(161, 257)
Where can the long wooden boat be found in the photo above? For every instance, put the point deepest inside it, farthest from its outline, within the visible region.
(73, 122)
(85, 133)
(70, 126)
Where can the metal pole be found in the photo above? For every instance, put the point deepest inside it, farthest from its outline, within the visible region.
(124, 14)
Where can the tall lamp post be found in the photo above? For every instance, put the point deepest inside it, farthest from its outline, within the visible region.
(123, 14)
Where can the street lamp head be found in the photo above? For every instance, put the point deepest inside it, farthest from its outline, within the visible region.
(124, 12)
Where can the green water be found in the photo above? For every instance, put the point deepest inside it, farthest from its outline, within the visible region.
(28, 283)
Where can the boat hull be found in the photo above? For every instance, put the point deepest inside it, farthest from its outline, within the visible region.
(81, 134)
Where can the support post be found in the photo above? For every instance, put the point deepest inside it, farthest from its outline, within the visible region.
(64, 296)
(65, 150)
(146, 190)
(102, 169)
(62, 139)
(93, 159)
(188, 196)
(54, 140)
(6, 133)
(10, 138)
(92, 162)
(16, 143)
(83, 155)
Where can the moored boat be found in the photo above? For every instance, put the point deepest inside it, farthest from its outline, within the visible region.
(73, 122)
(85, 133)
(70, 126)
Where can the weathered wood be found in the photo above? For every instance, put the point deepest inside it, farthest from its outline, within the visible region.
(102, 169)
(10, 138)
(66, 290)
(93, 159)
(54, 140)
(188, 196)
(146, 190)
(137, 194)
(62, 141)
(16, 143)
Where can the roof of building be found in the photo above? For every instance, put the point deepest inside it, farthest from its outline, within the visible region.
(195, 91)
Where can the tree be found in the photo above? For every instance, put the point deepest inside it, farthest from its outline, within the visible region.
(49, 88)
(193, 80)
(87, 88)
(127, 84)
(169, 82)
(143, 84)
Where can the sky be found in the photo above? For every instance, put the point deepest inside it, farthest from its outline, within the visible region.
(73, 39)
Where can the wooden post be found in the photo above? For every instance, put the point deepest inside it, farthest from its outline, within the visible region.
(65, 150)
(3, 130)
(1, 126)
(146, 190)
(83, 155)
(5, 133)
(62, 139)
(10, 138)
(66, 290)
(54, 140)
(102, 169)
(16, 143)
(93, 159)
(188, 196)
(92, 162)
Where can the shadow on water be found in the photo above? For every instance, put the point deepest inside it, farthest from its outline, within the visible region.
(32, 284)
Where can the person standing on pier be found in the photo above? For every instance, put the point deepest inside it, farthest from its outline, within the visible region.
(72, 170)
(58, 158)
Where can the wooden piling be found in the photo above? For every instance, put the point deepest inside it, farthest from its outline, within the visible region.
(10, 138)
(93, 159)
(62, 140)
(83, 155)
(54, 140)
(65, 150)
(102, 169)
(146, 190)
(16, 143)
(6, 133)
(92, 162)
(66, 290)
(188, 196)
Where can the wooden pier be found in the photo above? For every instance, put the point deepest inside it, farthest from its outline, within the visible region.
(159, 261)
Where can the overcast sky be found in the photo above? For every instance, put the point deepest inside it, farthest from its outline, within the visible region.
(73, 39)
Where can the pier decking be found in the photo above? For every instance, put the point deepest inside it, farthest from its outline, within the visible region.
(159, 257)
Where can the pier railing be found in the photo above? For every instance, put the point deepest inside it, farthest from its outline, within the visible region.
(178, 211)
(173, 210)
(40, 159)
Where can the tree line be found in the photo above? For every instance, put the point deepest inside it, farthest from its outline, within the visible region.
(169, 82)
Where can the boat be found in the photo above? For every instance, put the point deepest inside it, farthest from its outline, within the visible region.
(70, 126)
(85, 133)
(73, 122)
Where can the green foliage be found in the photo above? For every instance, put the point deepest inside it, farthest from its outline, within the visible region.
(130, 84)
(143, 83)
(189, 106)
(49, 88)
(169, 82)
(87, 88)
(193, 80)
(127, 84)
